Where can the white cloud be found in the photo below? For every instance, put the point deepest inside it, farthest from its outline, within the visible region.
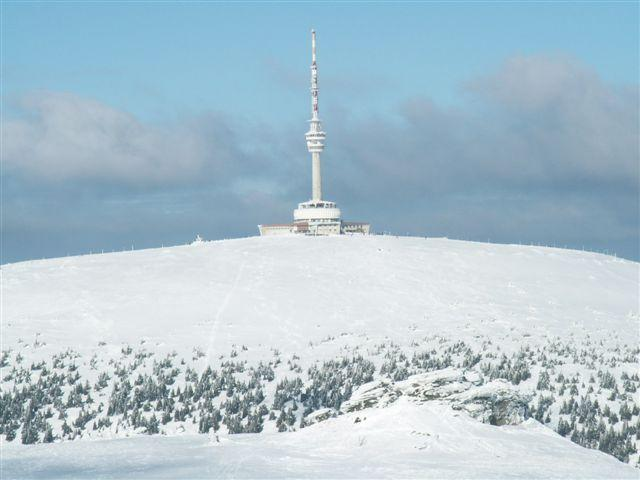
(61, 136)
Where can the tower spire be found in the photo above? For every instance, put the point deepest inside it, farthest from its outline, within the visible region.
(315, 136)
(314, 78)
(313, 46)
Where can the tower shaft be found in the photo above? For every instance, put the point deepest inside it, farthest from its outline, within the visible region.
(316, 179)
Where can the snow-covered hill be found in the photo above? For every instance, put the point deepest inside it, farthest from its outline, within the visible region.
(284, 292)
(122, 342)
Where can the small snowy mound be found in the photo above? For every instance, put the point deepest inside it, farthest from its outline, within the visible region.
(403, 440)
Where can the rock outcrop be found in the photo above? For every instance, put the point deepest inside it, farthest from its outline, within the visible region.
(319, 416)
(497, 402)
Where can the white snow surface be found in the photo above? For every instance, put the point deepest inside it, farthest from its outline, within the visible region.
(297, 294)
(284, 292)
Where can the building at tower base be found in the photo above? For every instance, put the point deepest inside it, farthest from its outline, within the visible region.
(341, 228)
(316, 216)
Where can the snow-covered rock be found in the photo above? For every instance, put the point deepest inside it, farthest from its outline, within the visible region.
(319, 415)
(438, 384)
(379, 393)
(497, 402)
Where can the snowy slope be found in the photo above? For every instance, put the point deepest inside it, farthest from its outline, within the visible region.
(283, 292)
(304, 300)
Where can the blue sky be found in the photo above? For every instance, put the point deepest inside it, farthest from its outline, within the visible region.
(156, 58)
(233, 80)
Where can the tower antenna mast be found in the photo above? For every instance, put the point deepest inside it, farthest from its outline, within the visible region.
(315, 136)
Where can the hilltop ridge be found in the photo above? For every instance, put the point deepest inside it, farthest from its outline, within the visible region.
(278, 289)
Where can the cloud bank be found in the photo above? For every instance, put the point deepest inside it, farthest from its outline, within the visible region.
(541, 150)
(538, 122)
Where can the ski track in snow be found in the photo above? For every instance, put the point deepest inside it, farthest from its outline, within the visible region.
(222, 308)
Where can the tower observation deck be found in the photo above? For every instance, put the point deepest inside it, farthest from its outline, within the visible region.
(315, 216)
